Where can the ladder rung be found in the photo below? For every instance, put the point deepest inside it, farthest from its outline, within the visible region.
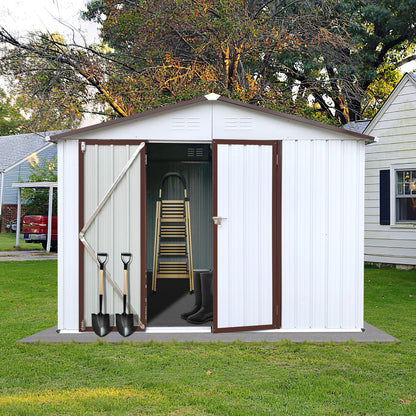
(173, 276)
(172, 219)
(176, 208)
(172, 267)
(174, 215)
(173, 249)
(173, 206)
(169, 231)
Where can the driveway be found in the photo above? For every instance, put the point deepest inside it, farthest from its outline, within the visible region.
(27, 255)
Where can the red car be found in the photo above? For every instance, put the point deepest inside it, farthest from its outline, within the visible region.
(35, 230)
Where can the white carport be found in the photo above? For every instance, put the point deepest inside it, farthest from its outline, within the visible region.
(34, 185)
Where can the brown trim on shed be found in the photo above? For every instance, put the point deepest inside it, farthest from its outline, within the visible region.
(81, 174)
(276, 235)
(242, 141)
(109, 142)
(214, 233)
(143, 220)
(277, 243)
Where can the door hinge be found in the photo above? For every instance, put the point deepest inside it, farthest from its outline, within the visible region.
(83, 147)
(145, 159)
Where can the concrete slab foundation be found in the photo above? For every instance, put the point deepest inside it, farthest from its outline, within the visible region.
(370, 334)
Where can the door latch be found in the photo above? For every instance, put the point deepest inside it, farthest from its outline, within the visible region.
(218, 220)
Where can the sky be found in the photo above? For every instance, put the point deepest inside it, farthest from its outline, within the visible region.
(21, 16)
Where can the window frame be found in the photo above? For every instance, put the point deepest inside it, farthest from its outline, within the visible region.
(393, 195)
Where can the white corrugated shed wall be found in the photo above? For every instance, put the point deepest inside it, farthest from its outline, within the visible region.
(116, 228)
(68, 235)
(396, 148)
(322, 234)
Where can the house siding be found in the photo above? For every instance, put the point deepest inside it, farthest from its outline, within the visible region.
(395, 127)
(20, 173)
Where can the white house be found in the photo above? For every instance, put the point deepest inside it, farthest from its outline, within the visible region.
(287, 252)
(390, 189)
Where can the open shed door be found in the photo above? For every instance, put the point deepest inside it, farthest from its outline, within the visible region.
(112, 220)
(246, 226)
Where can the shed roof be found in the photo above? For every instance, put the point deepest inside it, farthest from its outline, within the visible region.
(16, 147)
(358, 126)
(208, 98)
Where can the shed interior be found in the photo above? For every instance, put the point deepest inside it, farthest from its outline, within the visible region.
(194, 163)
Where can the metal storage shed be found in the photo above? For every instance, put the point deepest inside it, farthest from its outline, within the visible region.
(287, 194)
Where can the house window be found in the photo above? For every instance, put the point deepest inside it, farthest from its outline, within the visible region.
(405, 195)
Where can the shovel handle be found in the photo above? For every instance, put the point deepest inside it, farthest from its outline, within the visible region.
(102, 259)
(125, 282)
(126, 259)
(101, 281)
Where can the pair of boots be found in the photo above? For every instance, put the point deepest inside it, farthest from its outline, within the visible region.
(203, 309)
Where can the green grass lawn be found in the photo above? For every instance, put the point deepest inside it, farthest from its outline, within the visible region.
(203, 379)
(8, 243)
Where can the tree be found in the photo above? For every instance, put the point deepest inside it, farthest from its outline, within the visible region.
(185, 49)
(11, 119)
(383, 37)
(318, 58)
(37, 199)
(59, 80)
(235, 48)
(343, 55)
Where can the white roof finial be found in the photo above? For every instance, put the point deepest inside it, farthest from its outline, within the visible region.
(212, 97)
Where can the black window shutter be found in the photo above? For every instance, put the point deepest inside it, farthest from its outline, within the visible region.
(385, 197)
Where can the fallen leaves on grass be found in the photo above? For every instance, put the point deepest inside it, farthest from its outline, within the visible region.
(67, 396)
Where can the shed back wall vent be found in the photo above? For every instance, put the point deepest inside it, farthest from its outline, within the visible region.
(238, 123)
(183, 123)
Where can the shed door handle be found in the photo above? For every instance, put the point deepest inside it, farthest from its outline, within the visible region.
(218, 220)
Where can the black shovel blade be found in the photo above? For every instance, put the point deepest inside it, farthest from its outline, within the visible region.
(125, 324)
(101, 323)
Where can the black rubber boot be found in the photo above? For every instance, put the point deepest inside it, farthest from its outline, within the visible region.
(198, 297)
(205, 313)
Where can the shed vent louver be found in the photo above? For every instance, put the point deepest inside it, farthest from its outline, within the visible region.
(182, 123)
(195, 152)
(238, 123)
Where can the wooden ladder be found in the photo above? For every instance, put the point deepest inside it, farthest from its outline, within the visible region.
(173, 238)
